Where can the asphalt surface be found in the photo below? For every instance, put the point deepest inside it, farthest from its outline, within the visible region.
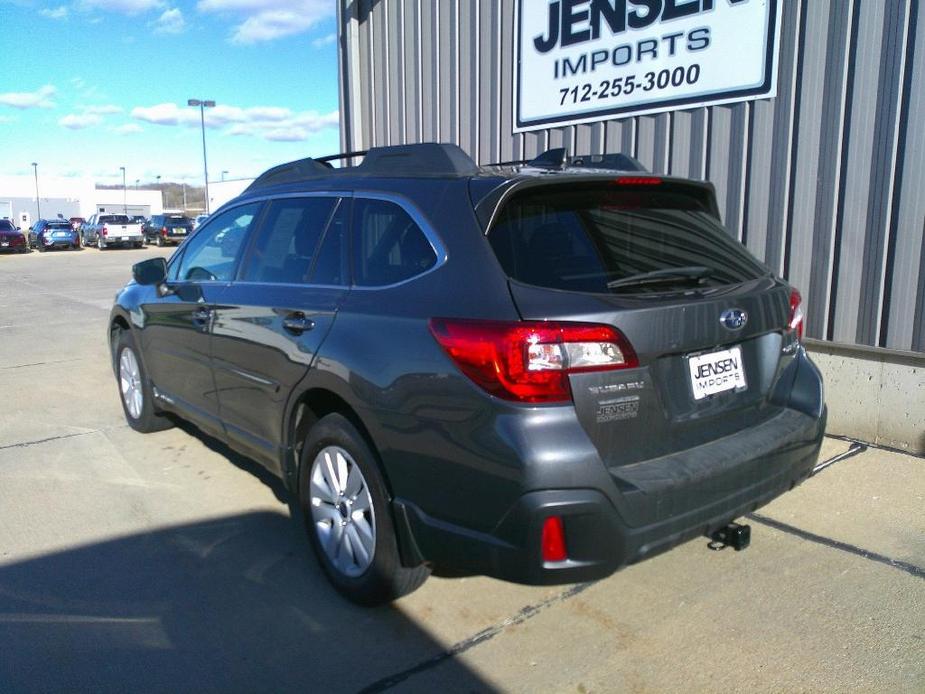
(167, 562)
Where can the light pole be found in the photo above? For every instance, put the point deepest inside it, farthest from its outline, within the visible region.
(38, 204)
(223, 176)
(137, 181)
(203, 104)
(158, 179)
(124, 202)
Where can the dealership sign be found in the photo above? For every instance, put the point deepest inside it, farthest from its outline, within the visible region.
(589, 60)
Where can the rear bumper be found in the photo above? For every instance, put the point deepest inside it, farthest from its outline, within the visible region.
(599, 540)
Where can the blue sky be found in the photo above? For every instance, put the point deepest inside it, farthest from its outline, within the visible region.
(88, 86)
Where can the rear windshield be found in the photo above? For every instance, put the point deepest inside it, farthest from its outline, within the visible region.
(114, 219)
(178, 220)
(59, 225)
(604, 238)
(6, 226)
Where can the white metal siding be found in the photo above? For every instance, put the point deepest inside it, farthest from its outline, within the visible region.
(825, 183)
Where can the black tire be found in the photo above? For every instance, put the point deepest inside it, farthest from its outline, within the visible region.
(139, 244)
(160, 242)
(385, 579)
(148, 419)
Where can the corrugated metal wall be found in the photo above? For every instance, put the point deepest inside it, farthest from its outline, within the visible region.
(825, 183)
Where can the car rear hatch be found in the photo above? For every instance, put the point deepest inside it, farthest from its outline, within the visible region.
(708, 323)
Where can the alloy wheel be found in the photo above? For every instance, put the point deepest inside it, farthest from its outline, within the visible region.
(342, 511)
(130, 383)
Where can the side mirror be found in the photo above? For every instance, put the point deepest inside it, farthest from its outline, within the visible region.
(152, 271)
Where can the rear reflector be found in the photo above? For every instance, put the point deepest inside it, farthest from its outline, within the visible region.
(553, 540)
(530, 361)
(795, 324)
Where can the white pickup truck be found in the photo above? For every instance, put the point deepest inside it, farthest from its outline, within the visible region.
(106, 230)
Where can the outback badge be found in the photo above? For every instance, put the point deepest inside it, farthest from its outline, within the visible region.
(733, 318)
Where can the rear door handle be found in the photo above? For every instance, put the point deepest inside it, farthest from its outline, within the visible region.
(297, 323)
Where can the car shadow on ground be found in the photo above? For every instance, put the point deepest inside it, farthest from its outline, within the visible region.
(239, 460)
(232, 604)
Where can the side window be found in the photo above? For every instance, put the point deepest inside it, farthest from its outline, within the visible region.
(211, 254)
(390, 247)
(285, 246)
(331, 265)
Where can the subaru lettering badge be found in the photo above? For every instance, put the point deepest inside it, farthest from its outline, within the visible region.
(733, 318)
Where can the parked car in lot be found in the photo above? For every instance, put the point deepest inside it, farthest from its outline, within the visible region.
(164, 229)
(199, 220)
(48, 234)
(107, 230)
(76, 223)
(540, 373)
(11, 238)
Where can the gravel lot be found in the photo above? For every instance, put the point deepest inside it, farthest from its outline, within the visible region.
(169, 563)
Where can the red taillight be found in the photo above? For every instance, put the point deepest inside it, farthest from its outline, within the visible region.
(163, 231)
(795, 323)
(553, 540)
(530, 361)
(105, 231)
(638, 181)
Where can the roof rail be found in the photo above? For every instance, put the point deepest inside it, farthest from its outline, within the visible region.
(414, 160)
(338, 157)
(557, 159)
(422, 159)
(290, 172)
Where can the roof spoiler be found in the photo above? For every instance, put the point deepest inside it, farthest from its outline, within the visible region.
(558, 160)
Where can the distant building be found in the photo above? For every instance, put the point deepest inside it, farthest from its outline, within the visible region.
(70, 197)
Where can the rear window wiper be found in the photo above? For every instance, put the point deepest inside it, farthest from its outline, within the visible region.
(666, 276)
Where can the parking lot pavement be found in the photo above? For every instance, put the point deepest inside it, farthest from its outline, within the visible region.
(169, 563)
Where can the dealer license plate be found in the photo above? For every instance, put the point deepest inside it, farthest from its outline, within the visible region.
(126, 238)
(717, 372)
(179, 230)
(4, 243)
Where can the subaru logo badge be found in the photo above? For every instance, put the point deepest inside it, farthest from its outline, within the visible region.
(733, 318)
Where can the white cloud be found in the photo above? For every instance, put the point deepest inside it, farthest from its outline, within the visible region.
(124, 6)
(325, 40)
(265, 20)
(79, 121)
(162, 114)
(268, 113)
(170, 22)
(286, 134)
(59, 12)
(40, 98)
(268, 122)
(128, 129)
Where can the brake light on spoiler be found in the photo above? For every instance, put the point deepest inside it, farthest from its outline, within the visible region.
(530, 361)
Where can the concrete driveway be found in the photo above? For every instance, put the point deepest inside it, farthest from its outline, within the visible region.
(169, 563)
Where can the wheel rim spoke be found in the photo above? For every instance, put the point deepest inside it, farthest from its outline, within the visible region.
(354, 483)
(321, 490)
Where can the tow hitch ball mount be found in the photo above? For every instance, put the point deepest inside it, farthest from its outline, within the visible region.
(733, 535)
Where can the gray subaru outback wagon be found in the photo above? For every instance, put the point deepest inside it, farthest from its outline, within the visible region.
(540, 371)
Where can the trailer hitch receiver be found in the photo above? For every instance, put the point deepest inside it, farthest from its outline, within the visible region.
(733, 535)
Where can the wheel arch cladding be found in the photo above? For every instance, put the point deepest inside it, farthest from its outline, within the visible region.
(312, 406)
